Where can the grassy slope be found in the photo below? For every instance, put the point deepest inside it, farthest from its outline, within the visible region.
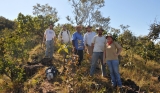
(139, 72)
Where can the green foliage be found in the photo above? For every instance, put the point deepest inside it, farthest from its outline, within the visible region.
(86, 12)
(63, 48)
(154, 30)
(9, 68)
(5, 23)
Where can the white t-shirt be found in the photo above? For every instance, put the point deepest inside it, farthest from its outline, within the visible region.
(50, 34)
(99, 43)
(88, 37)
(66, 37)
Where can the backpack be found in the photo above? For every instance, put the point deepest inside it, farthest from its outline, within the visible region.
(62, 32)
(51, 72)
(67, 33)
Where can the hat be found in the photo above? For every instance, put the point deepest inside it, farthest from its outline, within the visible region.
(100, 28)
(78, 26)
(109, 35)
(89, 26)
(51, 24)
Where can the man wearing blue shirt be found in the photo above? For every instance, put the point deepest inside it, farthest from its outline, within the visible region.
(78, 44)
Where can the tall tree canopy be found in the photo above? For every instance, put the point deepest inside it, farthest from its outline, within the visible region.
(86, 12)
(5, 23)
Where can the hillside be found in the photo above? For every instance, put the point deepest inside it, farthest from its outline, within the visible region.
(136, 76)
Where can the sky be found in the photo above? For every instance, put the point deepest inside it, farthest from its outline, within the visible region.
(138, 14)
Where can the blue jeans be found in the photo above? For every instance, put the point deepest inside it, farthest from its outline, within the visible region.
(49, 48)
(113, 66)
(95, 57)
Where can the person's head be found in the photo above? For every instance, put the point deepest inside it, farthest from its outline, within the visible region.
(78, 28)
(64, 28)
(109, 37)
(88, 28)
(51, 26)
(100, 31)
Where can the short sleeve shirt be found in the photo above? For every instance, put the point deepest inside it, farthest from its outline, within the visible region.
(99, 43)
(50, 34)
(78, 38)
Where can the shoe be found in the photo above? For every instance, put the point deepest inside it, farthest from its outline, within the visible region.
(120, 89)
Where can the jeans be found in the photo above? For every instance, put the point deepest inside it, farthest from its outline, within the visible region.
(80, 54)
(49, 48)
(113, 66)
(95, 57)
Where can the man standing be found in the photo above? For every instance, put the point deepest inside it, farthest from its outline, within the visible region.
(88, 38)
(78, 44)
(64, 36)
(98, 46)
(49, 39)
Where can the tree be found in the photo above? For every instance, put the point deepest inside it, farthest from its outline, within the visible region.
(44, 11)
(45, 15)
(154, 30)
(5, 23)
(86, 12)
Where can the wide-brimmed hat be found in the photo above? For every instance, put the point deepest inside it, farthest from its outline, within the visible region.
(78, 26)
(89, 26)
(100, 28)
(50, 24)
(109, 35)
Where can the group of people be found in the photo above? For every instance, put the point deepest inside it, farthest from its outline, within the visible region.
(100, 47)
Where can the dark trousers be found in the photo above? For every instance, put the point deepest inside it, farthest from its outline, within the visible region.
(80, 54)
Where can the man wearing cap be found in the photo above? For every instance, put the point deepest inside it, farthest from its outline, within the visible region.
(78, 44)
(98, 46)
(49, 38)
(64, 35)
(88, 38)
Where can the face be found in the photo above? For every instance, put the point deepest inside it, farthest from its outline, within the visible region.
(109, 39)
(64, 28)
(88, 29)
(100, 32)
(78, 29)
(51, 26)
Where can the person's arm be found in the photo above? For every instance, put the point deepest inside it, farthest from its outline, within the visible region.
(54, 37)
(59, 36)
(92, 46)
(85, 41)
(44, 37)
(70, 38)
(92, 43)
(119, 48)
(73, 42)
(104, 53)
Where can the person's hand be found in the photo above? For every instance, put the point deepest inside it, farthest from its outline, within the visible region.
(43, 42)
(73, 49)
(116, 54)
(62, 41)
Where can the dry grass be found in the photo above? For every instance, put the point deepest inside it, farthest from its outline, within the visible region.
(144, 75)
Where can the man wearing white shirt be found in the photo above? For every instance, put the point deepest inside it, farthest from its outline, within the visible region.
(98, 47)
(88, 39)
(49, 38)
(64, 36)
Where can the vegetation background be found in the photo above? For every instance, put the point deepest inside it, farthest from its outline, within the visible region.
(21, 40)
